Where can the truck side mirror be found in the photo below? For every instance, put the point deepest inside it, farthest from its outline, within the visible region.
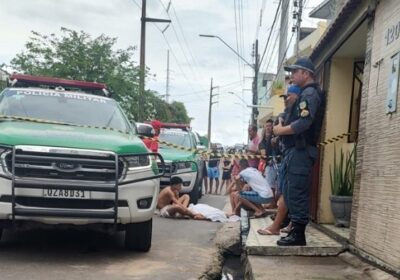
(145, 130)
(201, 147)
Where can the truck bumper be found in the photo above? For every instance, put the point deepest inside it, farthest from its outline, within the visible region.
(136, 203)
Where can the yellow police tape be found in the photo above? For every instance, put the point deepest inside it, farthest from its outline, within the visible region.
(336, 138)
(205, 152)
(16, 118)
(241, 156)
(182, 148)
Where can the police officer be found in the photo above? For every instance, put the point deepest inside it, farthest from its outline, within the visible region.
(299, 132)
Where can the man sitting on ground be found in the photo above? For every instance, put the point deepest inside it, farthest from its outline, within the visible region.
(171, 205)
(253, 190)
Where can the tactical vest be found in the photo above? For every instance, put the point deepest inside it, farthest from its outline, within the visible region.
(311, 135)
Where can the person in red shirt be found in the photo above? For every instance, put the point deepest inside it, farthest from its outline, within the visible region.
(152, 144)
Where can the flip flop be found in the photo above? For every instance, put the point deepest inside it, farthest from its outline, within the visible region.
(266, 232)
(263, 214)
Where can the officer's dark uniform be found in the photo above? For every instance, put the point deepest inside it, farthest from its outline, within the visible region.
(299, 154)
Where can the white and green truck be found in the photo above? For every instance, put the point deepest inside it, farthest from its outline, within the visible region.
(71, 158)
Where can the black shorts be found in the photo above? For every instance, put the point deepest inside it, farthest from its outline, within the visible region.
(205, 171)
(226, 175)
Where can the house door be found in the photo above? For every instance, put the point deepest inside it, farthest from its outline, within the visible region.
(323, 79)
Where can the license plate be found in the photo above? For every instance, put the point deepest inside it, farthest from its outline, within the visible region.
(62, 193)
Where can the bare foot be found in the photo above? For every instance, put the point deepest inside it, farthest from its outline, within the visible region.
(267, 231)
(260, 214)
(270, 206)
(199, 217)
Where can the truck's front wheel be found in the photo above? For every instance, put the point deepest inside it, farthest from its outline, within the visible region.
(138, 236)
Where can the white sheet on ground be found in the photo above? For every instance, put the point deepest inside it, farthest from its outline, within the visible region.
(211, 213)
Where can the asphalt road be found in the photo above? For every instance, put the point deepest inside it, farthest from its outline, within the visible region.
(180, 250)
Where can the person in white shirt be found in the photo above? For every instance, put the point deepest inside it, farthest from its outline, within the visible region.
(252, 191)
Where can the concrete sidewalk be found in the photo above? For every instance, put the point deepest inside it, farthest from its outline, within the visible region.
(322, 258)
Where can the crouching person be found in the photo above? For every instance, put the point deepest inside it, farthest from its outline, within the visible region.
(170, 204)
(255, 191)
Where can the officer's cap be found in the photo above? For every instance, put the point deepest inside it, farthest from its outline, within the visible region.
(304, 63)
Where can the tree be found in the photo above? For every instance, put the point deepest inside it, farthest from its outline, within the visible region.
(76, 55)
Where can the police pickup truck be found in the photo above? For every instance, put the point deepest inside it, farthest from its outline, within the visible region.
(70, 158)
(187, 164)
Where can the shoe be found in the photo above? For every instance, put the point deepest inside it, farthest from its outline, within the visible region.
(295, 238)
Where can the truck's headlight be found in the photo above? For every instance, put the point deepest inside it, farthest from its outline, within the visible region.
(5, 162)
(133, 162)
(183, 165)
(178, 167)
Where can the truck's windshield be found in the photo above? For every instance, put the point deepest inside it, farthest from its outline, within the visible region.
(176, 137)
(66, 107)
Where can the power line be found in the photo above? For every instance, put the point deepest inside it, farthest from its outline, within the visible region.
(259, 22)
(200, 91)
(237, 41)
(280, 65)
(139, 6)
(184, 40)
(269, 49)
(273, 55)
(269, 36)
(241, 27)
(177, 62)
(179, 42)
(173, 53)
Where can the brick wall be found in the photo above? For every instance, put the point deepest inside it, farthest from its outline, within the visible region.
(375, 226)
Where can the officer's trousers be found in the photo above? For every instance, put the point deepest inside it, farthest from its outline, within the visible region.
(296, 186)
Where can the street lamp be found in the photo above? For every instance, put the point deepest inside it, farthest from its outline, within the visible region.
(241, 99)
(226, 44)
(243, 106)
(255, 67)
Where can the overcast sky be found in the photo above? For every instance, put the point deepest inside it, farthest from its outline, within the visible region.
(193, 60)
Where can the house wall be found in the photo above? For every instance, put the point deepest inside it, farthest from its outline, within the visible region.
(311, 40)
(376, 203)
(337, 122)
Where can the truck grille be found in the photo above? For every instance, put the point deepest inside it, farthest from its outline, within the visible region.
(169, 169)
(64, 164)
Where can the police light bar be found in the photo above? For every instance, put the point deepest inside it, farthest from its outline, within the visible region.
(30, 80)
(173, 125)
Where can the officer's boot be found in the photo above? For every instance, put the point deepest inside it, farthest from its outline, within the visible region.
(295, 238)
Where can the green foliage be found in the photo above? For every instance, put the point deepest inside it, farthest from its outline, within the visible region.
(277, 85)
(76, 55)
(342, 174)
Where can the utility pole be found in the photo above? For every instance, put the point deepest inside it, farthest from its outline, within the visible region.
(298, 25)
(167, 88)
(283, 39)
(143, 21)
(209, 113)
(254, 113)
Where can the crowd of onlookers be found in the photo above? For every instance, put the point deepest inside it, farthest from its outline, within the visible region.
(276, 167)
(261, 170)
